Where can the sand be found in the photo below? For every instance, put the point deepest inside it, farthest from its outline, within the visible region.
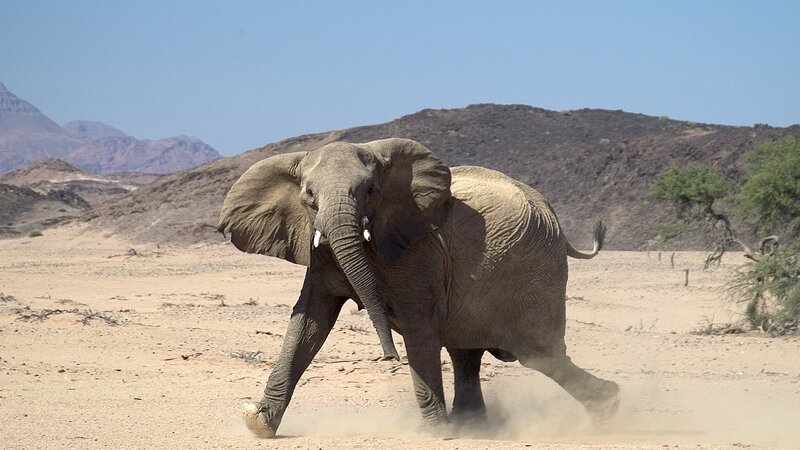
(104, 343)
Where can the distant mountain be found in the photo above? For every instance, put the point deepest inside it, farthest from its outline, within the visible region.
(83, 129)
(591, 164)
(16, 114)
(128, 154)
(27, 135)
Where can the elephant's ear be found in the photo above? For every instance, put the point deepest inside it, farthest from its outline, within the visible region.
(263, 214)
(415, 196)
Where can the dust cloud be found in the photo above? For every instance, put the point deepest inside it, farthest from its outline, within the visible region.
(531, 407)
(402, 422)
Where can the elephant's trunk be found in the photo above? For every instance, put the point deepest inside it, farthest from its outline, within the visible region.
(340, 223)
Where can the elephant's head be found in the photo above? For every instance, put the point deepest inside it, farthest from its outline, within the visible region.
(385, 194)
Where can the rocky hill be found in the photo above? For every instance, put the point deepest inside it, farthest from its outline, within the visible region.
(27, 135)
(49, 170)
(25, 210)
(590, 164)
(49, 175)
(51, 191)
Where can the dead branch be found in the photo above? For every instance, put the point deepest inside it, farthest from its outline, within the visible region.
(87, 315)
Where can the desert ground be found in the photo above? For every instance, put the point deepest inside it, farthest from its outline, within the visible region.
(106, 343)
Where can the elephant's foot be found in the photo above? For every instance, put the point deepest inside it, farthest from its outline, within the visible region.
(438, 429)
(469, 423)
(256, 421)
(603, 403)
(468, 417)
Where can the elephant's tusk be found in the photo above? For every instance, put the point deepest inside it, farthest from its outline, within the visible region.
(317, 237)
(367, 236)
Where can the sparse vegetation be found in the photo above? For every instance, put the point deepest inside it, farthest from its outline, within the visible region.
(710, 328)
(35, 233)
(356, 329)
(86, 316)
(770, 287)
(251, 357)
(770, 197)
(215, 297)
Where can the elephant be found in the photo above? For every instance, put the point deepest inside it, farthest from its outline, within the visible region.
(466, 259)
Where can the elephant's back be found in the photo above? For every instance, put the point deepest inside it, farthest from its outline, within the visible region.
(507, 251)
(500, 199)
(488, 204)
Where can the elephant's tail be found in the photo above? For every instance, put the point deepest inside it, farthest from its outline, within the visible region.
(598, 235)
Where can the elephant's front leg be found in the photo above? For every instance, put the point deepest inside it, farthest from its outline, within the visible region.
(424, 360)
(312, 319)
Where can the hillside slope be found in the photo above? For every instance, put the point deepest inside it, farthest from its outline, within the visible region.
(590, 164)
(48, 175)
(25, 210)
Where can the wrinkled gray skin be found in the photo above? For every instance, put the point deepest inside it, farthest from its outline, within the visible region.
(470, 260)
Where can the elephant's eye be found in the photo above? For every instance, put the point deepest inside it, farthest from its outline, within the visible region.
(371, 191)
(308, 198)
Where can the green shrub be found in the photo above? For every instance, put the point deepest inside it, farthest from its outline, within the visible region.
(35, 233)
(771, 288)
(771, 193)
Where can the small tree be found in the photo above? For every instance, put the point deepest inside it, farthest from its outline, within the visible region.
(693, 190)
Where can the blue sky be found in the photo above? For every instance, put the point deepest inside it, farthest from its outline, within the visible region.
(243, 74)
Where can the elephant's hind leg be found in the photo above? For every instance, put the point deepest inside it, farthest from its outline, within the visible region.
(599, 397)
(468, 405)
